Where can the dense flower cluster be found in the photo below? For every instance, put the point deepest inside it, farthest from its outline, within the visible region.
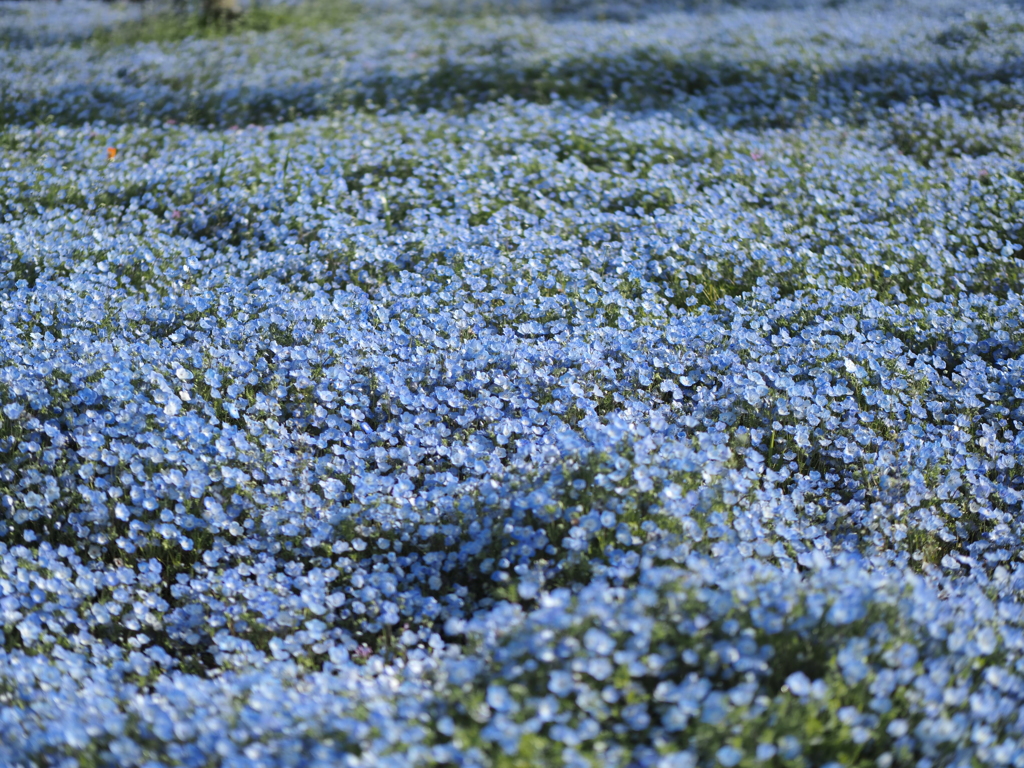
(591, 383)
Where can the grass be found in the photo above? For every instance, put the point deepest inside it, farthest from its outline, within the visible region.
(173, 26)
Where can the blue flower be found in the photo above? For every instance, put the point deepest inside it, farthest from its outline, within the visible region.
(798, 684)
(560, 683)
(729, 756)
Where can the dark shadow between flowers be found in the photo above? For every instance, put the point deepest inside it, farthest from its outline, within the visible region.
(732, 94)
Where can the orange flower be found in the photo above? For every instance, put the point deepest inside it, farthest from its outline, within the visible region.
(111, 153)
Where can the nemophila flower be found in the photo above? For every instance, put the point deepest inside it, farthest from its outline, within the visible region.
(532, 423)
(729, 756)
(799, 684)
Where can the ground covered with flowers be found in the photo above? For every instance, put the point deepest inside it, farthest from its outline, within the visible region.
(577, 383)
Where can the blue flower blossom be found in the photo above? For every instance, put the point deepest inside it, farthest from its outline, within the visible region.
(620, 384)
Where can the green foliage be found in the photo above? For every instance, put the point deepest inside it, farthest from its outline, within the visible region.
(171, 26)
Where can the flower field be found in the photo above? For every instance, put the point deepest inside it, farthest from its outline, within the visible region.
(552, 382)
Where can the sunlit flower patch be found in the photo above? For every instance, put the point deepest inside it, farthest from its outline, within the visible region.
(540, 383)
